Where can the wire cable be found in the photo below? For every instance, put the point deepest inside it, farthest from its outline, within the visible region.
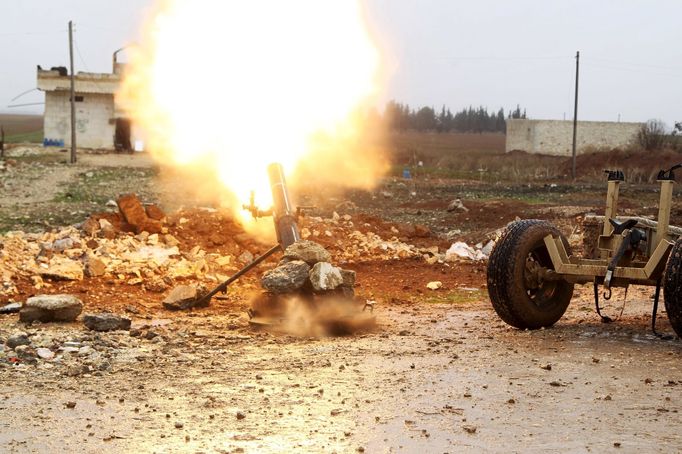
(78, 51)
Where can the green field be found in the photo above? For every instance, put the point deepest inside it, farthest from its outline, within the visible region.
(22, 128)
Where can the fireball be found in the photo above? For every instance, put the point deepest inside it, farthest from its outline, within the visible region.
(231, 86)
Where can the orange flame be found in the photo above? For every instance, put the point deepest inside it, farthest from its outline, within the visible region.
(235, 85)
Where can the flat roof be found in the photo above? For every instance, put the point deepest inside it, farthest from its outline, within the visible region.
(102, 83)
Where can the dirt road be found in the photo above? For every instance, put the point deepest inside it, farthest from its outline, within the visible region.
(435, 378)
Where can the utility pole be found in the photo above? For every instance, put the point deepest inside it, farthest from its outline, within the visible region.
(575, 110)
(73, 97)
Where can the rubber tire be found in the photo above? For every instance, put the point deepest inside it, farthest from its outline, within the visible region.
(506, 286)
(672, 287)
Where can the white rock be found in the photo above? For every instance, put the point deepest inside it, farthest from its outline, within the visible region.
(434, 285)
(325, 276)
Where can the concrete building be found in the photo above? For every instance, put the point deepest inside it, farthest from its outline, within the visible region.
(100, 122)
(555, 137)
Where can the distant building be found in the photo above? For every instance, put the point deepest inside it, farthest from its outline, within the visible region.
(100, 121)
(555, 137)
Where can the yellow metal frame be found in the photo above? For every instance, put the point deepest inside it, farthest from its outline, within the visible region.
(644, 271)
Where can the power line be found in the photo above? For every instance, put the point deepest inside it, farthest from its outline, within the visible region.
(53, 32)
(78, 50)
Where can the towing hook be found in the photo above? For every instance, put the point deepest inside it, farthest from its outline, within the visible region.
(607, 294)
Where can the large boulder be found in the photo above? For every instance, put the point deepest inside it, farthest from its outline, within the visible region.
(51, 308)
(106, 322)
(287, 277)
(307, 251)
(325, 276)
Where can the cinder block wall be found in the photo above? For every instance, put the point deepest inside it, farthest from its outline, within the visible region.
(95, 127)
(555, 137)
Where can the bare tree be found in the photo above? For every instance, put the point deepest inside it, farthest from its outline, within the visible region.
(652, 135)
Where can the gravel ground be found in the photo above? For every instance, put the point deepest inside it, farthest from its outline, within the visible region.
(434, 378)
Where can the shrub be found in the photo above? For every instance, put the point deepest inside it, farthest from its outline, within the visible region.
(652, 135)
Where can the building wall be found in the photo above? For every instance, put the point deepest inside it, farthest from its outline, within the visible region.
(95, 127)
(555, 137)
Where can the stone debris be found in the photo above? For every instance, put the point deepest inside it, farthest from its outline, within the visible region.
(348, 278)
(462, 250)
(134, 214)
(184, 297)
(287, 277)
(17, 339)
(94, 267)
(298, 278)
(10, 308)
(245, 257)
(106, 322)
(63, 270)
(44, 353)
(325, 276)
(154, 212)
(370, 245)
(307, 251)
(457, 205)
(434, 285)
(51, 308)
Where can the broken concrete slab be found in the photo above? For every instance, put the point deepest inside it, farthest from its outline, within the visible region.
(287, 277)
(51, 308)
(307, 251)
(106, 322)
(325, 276)
(184, 297)
(64, 270)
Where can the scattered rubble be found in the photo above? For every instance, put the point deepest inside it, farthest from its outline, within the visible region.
(463, 250)
(307, 251)
(457, 205)
(10, 308)
(17, 339)
(51, 308)
(62, 270)
(106, 322)
(434, 285)
(325, 276)
(135, 215)
(287, 277)
(185, 296)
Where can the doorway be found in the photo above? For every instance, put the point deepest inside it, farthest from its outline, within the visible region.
(122, 135)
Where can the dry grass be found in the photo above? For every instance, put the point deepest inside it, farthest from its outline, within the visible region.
(482, 157)
(466, 155)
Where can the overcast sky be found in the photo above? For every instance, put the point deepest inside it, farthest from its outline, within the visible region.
(457, 53)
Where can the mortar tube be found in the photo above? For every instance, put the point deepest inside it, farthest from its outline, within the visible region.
(282, 210)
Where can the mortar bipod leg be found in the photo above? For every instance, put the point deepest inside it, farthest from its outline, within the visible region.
(604, 318)
(657, 296)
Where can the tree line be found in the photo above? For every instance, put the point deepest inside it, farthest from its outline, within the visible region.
(401, 117)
